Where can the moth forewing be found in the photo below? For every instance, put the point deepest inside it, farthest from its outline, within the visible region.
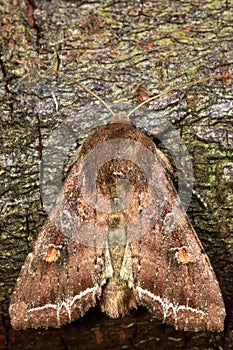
(129, 242)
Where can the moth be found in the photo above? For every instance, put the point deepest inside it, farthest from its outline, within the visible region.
(118, 237)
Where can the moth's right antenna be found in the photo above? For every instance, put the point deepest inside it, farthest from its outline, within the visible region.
(74, 81)
(191, 83)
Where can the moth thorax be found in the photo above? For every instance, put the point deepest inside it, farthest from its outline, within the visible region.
(119, 177)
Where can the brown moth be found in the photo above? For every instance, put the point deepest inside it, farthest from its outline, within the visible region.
(120, 240)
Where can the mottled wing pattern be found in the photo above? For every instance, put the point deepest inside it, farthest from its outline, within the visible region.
(60, 279)
(173, 275)
(57, 284)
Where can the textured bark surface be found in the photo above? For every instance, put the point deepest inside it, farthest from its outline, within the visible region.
(114, 48)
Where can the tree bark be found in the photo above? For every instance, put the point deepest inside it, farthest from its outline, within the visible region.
(115, 48)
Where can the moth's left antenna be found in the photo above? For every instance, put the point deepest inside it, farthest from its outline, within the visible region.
(74, 81)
